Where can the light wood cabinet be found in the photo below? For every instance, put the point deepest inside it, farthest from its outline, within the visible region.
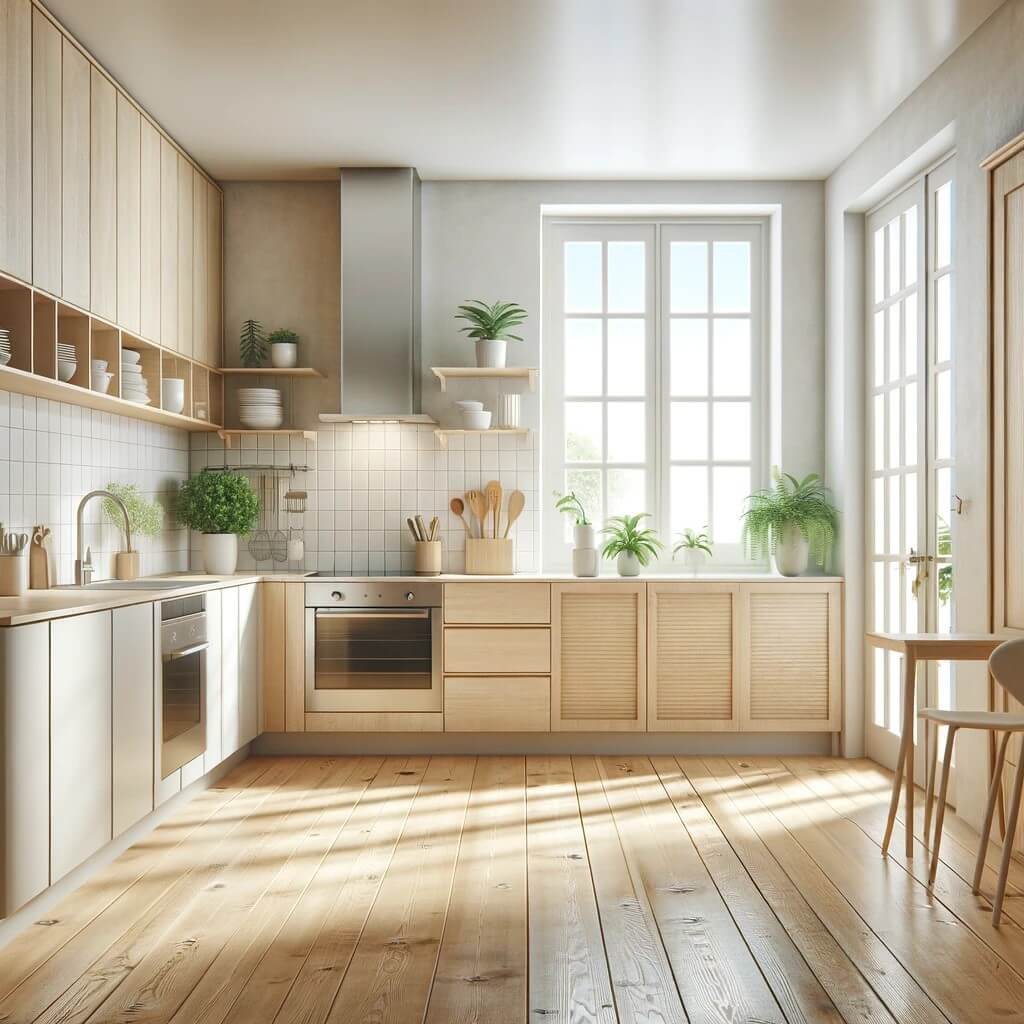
(80, 739)
(229, 688)
(520, 651)
(693, 657)
(200, 269)
(16, 138)
(215, 275)
(185, 256)
(168, 246)
(598, 644)
(214, 697)
(132, 722)
(503, 603)
(497, 703)
(24, 764)
(47, 58)
(75, 176)
(129, 201)
(249, 674)
(149, 231)
(793, 657)
(283, 661)
(103, 197)
(273, 655)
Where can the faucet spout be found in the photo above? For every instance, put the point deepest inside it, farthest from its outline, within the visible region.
(83, 566)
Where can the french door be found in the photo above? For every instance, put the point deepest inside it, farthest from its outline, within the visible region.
(910, 489)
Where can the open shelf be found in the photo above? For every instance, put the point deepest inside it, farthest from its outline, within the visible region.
(226, 434)
(272, 371)
(447, 373)
(443, 433)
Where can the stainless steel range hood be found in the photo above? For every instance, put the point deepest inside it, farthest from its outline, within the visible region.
(380, 295)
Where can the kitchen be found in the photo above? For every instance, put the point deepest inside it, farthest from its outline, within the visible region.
(429, 574)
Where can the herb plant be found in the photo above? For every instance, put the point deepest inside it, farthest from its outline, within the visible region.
(218, 503)
(491, 323)
(146, 518)
(282, 336)
(571, 505)
(625, 534)
(252, 343)
(690, 540)
(802, 504)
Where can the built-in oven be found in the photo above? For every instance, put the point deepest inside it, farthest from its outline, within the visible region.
(184, 645)
(373, 646)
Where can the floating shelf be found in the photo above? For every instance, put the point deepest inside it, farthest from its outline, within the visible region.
(443, 433)
(226, 435)
(272, 371)
(447, 373)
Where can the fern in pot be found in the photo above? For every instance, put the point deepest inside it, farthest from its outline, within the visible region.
(220, 506)
(491, 328)
(793, 521)
(631, 545)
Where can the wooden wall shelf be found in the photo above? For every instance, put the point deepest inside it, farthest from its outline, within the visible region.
(272, 371)
(447, 373)
(443, 433)
(226, 434)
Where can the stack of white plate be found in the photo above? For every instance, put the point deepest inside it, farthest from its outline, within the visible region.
(133, 385)
(260, 408)
(67, 361)
(5, 346)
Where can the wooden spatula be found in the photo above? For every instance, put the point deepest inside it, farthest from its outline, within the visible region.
(478, 506)
(516, 503)
(493, 494)
(458, 507)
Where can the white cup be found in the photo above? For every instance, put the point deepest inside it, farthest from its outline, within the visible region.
(172, 394)
(509, 409)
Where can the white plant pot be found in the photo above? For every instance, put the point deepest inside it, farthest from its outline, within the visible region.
(583, 537)
(284, 354)
(490, 353)
(628, 564)
(791, 552)
(693, 560)
(220, 553)
(585, 562)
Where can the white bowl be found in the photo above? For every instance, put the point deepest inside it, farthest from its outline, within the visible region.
(172, 394)
(101, 381)
(5, 358)
(475, 419)
(129, 355)
(98, 365)
(66, 369)
(467, 406)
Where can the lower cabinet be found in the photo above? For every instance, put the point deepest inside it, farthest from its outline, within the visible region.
(283, 661)
(249, 675)
(213, 756)
(497, 703)
(80, 739)
(230, 698)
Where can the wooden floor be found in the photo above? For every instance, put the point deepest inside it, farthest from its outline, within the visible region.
(545, 889)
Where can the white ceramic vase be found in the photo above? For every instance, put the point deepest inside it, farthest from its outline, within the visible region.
(628, 564)
(693, 560)
(791, 552)
(220, 553)
(585, 558)
(284, 354)
(583, 535)
(490, 353)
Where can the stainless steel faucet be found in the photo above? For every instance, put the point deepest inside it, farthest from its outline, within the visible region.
(84, 567)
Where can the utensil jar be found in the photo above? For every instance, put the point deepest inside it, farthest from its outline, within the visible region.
(428, 558)
(13, 575)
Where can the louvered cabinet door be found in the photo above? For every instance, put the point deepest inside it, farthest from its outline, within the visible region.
(693, 657)
(598, 655)
(793, 674)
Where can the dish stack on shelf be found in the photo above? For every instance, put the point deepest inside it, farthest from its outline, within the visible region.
(260, 408)
(100, 380)
(133, 384)
(67, 361)
(5, 346)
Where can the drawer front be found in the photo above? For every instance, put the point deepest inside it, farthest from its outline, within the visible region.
(497, 704)
(508, 651)
(498, 603)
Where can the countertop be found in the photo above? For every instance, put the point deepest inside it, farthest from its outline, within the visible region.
(60, 602)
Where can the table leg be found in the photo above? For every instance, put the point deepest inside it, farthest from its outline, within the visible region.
(909, 700)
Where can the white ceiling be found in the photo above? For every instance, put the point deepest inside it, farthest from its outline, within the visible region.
(522, 88)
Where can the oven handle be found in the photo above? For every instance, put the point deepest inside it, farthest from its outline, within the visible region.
(359, 613)
(185, 652)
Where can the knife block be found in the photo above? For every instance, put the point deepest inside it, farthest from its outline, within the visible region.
(486, 556)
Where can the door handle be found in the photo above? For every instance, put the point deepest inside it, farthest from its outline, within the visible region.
(185, 652)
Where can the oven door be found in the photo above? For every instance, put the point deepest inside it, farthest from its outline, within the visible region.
(373, 659)
(183, 707)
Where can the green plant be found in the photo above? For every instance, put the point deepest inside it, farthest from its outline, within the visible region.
(493, 323)
(282, 336)
(252, 344)
(625, 534)
(571, 505)
(945, 547)
(803, 504)
(219, 502)
(690, 540)
(145, 518)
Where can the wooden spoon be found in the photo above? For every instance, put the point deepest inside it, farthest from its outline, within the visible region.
(516, 503)
(478, 506)
(458, 506)
(493, 494)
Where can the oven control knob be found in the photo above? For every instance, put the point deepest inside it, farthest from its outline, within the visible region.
(337, 595)
(410, 596)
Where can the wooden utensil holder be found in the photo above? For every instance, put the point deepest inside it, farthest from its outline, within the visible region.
(13, 575)
(486, 556)
(428, 558)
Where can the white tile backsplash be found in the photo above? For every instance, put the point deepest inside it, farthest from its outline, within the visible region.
(51, 454)
(364, 480)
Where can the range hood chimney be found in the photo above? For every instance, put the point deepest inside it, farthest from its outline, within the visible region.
(380, 295)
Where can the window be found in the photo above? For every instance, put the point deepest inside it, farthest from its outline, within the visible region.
(652, 375)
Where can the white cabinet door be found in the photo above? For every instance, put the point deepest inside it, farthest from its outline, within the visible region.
(229, 688)
(132, 728)
(163, 788)
(214, 655)
(24, 764)
(80, 744)
(248, 663)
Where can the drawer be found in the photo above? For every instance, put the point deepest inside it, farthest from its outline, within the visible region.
(498, 603)
(492, 651)
(497, 704)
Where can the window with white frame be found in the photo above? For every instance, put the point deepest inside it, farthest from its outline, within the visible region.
(653, 383)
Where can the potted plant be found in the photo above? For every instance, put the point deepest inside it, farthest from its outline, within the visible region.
(252, 344)
(696, 547)
(584, 552)
(491, 327)
(792, 520)
(145, 519)
(284, 348)
(220, 506)
(630, 545)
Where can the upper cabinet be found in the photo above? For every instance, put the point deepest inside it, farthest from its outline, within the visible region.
(75, 175)
(47, 59)
(16, 138)
(103, 197)
(129, 237)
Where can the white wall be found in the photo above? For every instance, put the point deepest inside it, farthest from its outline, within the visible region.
(975, 100)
